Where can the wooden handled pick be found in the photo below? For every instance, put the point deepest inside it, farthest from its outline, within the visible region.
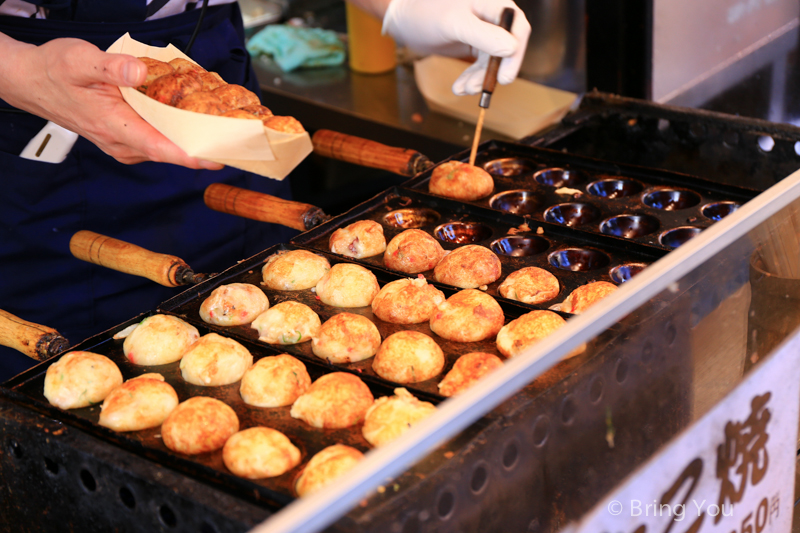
(489, 84)
(36, 341)
(166, 270)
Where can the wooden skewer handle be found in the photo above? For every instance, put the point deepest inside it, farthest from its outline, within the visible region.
(490, 80)
(263, 207)
(366, 153)
(36, 341)
(164, 269)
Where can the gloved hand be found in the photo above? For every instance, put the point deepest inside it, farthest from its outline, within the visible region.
(461, 28)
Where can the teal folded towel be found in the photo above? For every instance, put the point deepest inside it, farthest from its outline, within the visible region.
(292, 47)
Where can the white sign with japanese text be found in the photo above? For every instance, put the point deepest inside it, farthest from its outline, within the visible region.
(732, 471)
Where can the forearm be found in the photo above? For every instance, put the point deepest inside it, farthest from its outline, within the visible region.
(13, 78)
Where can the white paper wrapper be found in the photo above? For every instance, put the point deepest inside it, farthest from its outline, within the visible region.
(244, 144)
(518, 109)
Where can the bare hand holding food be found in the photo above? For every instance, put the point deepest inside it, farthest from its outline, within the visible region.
(76, 85)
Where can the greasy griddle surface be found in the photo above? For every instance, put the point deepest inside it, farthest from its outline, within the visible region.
(500, 225)
(277, 491)
(513, 167)
(188, 304)
(273, 493)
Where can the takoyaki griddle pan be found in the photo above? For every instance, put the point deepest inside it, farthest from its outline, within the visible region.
(575, 257)
(273, 493)
(644, 205)
(187, 304)
(724, 148)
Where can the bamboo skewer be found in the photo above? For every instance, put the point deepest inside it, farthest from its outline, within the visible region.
(477, 138)
(489, 83)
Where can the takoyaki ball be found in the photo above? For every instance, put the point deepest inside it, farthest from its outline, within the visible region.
(346, 338)
(211, 80)
(239, 113)
(215, 360)
(527, 330)
(287, 323)
(531, 285)
(283, 124)
(258, 110)
(363, 238)
(468, 267)
(585, 296)
(326, 465)
(80, 379)
(391, 416)
(294, 270)
(203, 102)
(159, 340)
(155, 69)
(347, 285)
(170, 89)
(467, 316)
(408, 357)
(274, 381)
(233, 304)
(259, 452)
(236, 96)
(336, 400)
(184, 65)
(413, 251)
(139, 403)
(407, 301)
(199, 425)
(461, 181)
(466, 371)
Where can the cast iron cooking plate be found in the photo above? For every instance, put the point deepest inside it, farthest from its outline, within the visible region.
(495, 448)
(517, 241)
(187, 307)
(722, 148)
(518, 202)
(581, 192)
(557, 424)
(518, 246)
(614, 188)
(623, 273)
(572, 214)
(273, 493)
(719, 210)
(463, 232)
(542, 429)
(629, 225)
(411, 218)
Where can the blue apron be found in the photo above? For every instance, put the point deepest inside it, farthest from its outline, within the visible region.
(154, 205)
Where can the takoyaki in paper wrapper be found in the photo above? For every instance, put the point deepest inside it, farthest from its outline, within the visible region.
(244, 144)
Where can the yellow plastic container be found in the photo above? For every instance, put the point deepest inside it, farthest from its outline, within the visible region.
(370, 52)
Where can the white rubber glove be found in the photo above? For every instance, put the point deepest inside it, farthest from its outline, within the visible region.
(461, 28)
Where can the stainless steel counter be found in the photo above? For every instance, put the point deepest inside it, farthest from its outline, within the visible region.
(387, 105)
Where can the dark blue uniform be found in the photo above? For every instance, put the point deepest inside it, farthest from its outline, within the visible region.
(157, 206)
